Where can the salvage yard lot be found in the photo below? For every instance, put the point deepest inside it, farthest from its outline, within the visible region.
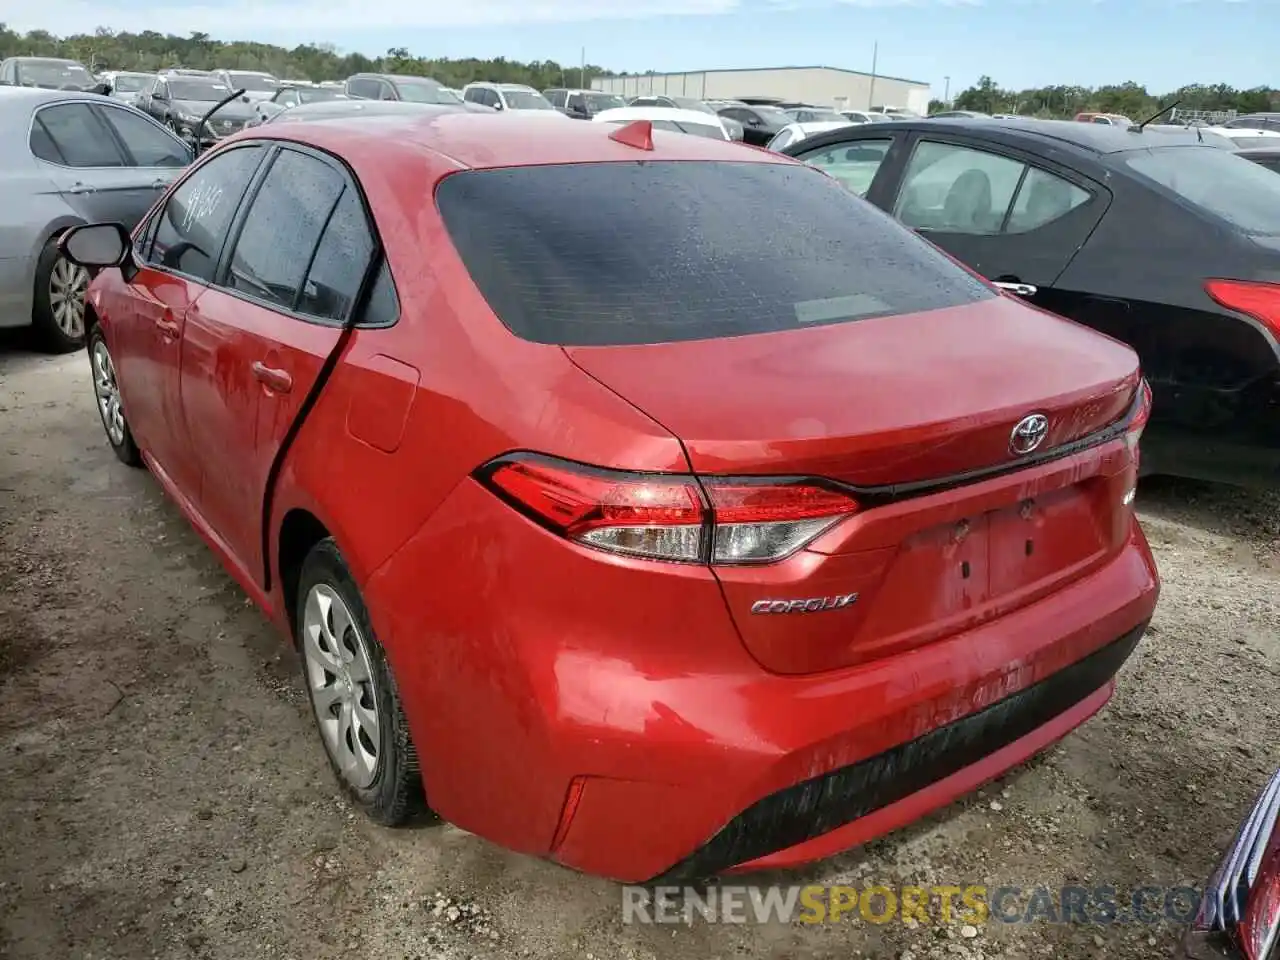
(163, 792)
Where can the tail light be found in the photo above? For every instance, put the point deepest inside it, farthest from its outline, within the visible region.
(1258, 300)
(668, 516)
(1133, 434)
(1242, 897)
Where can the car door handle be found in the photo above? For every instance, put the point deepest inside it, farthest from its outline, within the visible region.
(82, 188)
(1018, 289)
(167, 326)
(272, 377)
(159, 183)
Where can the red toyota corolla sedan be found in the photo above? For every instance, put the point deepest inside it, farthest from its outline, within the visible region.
(637, 500)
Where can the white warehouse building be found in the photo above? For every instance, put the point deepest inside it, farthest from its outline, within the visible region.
(822, 86)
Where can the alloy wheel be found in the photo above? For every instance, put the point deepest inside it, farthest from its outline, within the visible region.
(340, 681)
(107, 392)
(67, 284)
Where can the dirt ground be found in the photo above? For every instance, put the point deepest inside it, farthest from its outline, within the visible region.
(163, 793)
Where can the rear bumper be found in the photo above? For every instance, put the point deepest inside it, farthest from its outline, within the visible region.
(829, 813)
(1244, 451)
(608, 716)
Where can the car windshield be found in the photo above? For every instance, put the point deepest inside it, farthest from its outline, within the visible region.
(599, 102)
(256, 82)
(424, 91)
(318, 95)
(656, 252)
(130, 82)
(201, 90)
(53, 73)
(1218, 182)
(526, 100)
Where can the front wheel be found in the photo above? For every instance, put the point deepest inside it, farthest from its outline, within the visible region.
(353, 694)
(106, 391)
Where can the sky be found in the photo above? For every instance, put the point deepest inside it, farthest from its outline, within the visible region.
(945, 43)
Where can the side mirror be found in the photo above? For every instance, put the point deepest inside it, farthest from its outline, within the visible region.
(96, 244)
(244, 98)
(499, 106)
(159, 96)
(102, 88)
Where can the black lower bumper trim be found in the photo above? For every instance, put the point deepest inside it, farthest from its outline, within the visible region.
(813, 807)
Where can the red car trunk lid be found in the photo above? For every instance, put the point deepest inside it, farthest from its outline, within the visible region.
(880, 401)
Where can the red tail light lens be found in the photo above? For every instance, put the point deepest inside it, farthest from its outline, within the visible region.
(1139, 422)
(1258, 300)
(668, 516)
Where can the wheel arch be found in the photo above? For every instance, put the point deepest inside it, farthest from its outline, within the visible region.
(300, 530)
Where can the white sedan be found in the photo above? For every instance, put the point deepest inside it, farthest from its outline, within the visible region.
(1245, 137)
(668, 118)
(795, 132)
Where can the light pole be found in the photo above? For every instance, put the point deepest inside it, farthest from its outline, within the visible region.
(946, 91)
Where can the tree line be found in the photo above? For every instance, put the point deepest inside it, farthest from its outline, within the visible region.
(1130, 99)
(149, 51)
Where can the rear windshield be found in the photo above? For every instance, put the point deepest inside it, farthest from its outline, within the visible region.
(657, 252)
(1218, 182)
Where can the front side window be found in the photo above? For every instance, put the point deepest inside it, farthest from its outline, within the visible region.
(194, 221)
(1217, 182)
(654, 251)
(364, 89)
(955, 189)
(72, 135)
(472, 94)
(854, 164)
(148, 143)
(280, 231)
(556, 97)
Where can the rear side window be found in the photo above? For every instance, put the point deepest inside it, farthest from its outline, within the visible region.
(654, 252)
(280, 232)
(1216, 182)
(149, 144)
(72, 135)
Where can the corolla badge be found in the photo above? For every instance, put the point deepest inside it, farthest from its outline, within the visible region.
(811, 605)
(1028, 434)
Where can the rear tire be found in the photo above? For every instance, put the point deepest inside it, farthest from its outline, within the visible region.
(58, 307)
(353, 694)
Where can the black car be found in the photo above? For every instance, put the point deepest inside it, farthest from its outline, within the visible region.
(180, 102)
(1160, 240)
(759, 122)
(582, 104)
(1268, 157)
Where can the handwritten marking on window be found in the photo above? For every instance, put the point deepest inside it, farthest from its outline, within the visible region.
(203, 202)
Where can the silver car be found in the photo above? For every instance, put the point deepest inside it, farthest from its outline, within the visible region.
(66, 158)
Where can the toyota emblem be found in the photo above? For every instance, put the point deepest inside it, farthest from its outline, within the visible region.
(1028, 434)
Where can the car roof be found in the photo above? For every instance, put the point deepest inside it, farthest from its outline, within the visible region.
(809, 128)
(20, 98)
(476, 140)
(1096, 138)
(1244, 132)
(1250, 153)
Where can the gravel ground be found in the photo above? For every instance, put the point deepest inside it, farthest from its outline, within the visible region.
(163, 793)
